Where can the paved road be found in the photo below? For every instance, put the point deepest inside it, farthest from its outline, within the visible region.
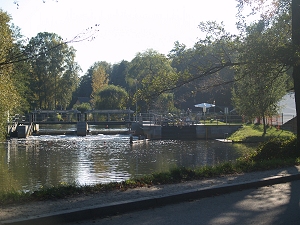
(271, 205)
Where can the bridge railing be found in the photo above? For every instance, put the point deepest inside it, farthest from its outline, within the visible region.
(54, 115)
(76, 116)
(150, 118)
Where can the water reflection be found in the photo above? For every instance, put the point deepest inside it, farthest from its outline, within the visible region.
(27, 164)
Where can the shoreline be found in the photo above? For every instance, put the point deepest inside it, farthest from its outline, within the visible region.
(11, 214)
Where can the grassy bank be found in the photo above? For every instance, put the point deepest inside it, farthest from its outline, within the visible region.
(278, 151)
(254, 133)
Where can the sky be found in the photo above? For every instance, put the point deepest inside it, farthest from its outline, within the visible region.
(126, 27)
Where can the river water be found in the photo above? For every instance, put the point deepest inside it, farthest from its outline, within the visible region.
(45, 161)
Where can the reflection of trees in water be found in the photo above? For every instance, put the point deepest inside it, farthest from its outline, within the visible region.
(11, 168)
(52, 160)
(159, 156)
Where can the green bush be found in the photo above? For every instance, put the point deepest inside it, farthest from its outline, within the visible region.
(277, 148)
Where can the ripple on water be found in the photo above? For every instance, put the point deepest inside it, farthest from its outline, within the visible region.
(27, 164)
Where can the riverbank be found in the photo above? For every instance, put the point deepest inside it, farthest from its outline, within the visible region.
(251, 133)
(263, 161)
(81, 205)
(70, 197)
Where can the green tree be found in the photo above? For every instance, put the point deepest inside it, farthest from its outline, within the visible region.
(118, 74)
(260, 85)
(20, 73)
(165, 103)
(68, 84)
(9, 96)
(190, 62)
(111, 97)
(50, 59)
(99, 77)
(149, 74)
(83, 107)
(88, 83)
(256, 93)
(285, 14)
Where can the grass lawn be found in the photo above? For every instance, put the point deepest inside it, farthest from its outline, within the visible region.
(254, 133)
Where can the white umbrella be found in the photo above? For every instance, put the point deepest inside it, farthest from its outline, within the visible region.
(205, 105)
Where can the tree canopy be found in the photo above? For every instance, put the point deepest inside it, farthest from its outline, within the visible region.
(150, 73)
(111, 97)
(284, 17)
(52, 62)
(9, 95)
(262, 55)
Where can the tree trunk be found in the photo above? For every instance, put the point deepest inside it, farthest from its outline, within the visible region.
(264, 125)
(296, 66)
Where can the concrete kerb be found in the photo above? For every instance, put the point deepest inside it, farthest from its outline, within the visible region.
(146, 203)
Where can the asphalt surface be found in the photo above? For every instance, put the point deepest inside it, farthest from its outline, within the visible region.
(269, 197)
(271, 205)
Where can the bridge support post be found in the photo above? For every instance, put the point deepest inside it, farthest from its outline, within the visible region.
(82, 128)
(22, 131)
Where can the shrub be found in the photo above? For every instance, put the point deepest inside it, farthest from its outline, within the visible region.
(277, 148)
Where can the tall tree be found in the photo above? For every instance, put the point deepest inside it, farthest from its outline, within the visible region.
(190, 62)
(49, 57)
(118, 74)
(9, 96)
(67, 84)
(99, 77)
(165, 103)
(289, 53)
(149, 73)
(262, 81)
(85, 88)
(257, 91)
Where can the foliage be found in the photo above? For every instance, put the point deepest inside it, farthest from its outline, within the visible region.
(261, 80)
(67, 85)
(96, 77)
(284, 15)
(268, 50)
(165, 103)
(6, 43)
(151, 74)
(111, 97)
(191, 65)
(9, 95)
(118, 74)
(40, 74)
(83, 107)
(277, 148)
(52, 62)
(99, 76)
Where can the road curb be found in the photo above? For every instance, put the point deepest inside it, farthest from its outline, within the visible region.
(146, 203)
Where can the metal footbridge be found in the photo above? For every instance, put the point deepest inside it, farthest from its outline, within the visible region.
(26, 127)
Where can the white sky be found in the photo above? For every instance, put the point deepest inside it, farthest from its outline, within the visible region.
(126, 26)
